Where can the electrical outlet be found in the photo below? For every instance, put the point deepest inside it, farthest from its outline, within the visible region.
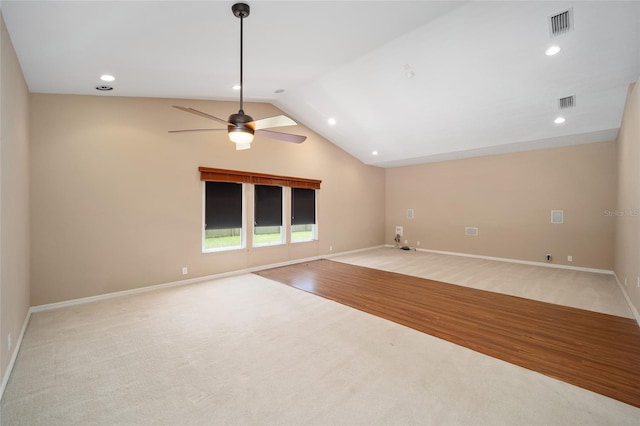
(548, 257)
(399, 230)
(330, 248)
(570, 258)
(185, 271)
(406, 241)
(417, 243)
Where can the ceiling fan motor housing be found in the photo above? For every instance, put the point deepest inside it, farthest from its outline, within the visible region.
(239, 122)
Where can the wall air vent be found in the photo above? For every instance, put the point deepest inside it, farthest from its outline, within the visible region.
(557, 216)
(471, 230)
(561, 23)
(567, 102)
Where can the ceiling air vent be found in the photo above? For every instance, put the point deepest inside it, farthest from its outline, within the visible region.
(561, 23)
(567, 102)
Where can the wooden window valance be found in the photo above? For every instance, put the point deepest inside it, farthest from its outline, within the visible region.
(222, 175)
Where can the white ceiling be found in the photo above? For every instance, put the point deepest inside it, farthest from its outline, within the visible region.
(481, 82)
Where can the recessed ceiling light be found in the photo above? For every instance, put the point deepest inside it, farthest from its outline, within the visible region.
(374, 153)
(559, 120)
(236, 87)
(278, 91)
(107, 77)
(553, 50)
(331, 121)
(408, 71)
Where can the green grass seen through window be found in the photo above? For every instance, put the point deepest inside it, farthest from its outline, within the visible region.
(234, 241)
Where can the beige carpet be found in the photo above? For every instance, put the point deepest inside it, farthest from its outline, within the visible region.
(249, 351)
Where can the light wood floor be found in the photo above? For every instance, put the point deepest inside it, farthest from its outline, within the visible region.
(592, 350)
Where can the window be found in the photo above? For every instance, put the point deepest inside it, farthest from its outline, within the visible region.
(223, 216)
(267, 216)
(303, 214)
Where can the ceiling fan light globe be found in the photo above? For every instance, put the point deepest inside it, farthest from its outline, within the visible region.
(241, 136)
(242, 146)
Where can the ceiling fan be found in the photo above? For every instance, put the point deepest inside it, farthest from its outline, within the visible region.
(242, 127)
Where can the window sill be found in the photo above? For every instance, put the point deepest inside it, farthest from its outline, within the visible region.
(222, 249)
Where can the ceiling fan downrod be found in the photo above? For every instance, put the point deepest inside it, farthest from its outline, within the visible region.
(241, 11)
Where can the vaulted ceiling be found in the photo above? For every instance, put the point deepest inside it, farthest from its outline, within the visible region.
(413, 81)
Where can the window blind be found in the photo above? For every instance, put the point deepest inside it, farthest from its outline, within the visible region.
(267, 205)
(303, 206)
(223, 208)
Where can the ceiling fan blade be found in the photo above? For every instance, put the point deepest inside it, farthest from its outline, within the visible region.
(269, 122)
(195, 130)
(287, 137)
(201, 114)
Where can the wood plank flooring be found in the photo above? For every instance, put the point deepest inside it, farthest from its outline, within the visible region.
(595, 351)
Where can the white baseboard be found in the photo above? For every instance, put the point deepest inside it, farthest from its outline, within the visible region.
(14, 354)
(82, 300)
(79, 301)
(523, 262)
(634, 311)
(329, 256)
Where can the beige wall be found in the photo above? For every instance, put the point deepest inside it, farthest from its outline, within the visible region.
(117, 201)
(509, 198)
(627, 249)
(14, 200)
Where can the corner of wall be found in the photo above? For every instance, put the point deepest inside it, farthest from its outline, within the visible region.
(14, 204)
(627, 212)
